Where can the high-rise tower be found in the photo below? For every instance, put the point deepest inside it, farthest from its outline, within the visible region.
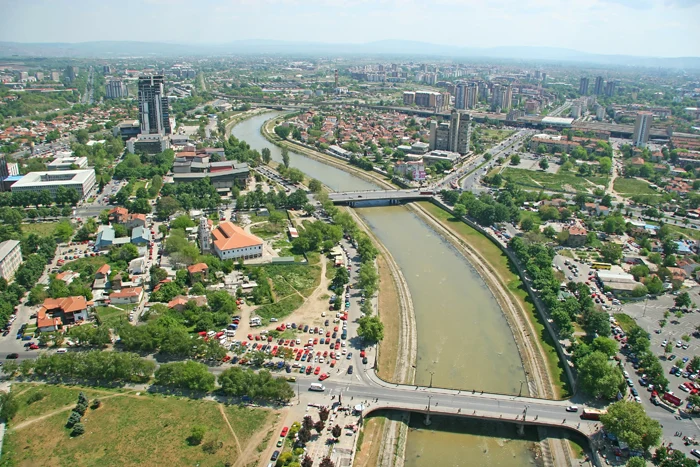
(154, 111)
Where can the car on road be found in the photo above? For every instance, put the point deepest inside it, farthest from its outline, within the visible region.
(284, 431)
(572, 408)
(695, 452)
(350, 369)
(12, 356)
(324, 377)
(275, 455)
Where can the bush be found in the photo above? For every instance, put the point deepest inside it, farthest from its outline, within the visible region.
(197, 435)
(96, 404)
(210, 447)
(81, 408)
(35, 397)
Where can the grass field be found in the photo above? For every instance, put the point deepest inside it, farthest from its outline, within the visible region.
(625, 321)
(553, 182)
(267, 231)
(495, 136)
(302, 278)
(502, 266)
(128, 429)
(685, 232)
(42, 229)
(633, 186)
(111, 317)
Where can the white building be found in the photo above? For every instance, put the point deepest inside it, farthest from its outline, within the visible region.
(642, 125)
(66, 163)
(232, 242)
(82, 181)
(10, 258)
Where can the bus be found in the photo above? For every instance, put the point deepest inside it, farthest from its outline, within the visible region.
(592, 414)
(596, 265)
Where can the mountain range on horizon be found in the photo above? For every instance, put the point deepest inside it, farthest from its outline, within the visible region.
(125, 49)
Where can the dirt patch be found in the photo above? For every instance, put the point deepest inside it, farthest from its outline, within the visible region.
(389, 314)
(369, 446)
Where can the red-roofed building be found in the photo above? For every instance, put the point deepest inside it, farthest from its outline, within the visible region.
(103, 272)
(118, 215)
(199, 268)
(127, 295)
(231, 242)
(57, 312)
(577, 236)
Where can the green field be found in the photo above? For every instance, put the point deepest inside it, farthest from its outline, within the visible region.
(267, 230)
(300, 277)
(42, 229)
(553, 182)
(495, 136)
(502, 266)
(633, 186)
(111, 317)
(128, 429)
(625, 321)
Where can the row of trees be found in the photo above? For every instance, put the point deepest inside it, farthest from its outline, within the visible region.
(101, 367)
(145, 165)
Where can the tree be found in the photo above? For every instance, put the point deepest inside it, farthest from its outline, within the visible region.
(683, 300)
(695, 364)
(187, 375)
(10, 404)
(304, 435)
(307, 462)
(285, 157)
(197, 435)
(598, 377)
(459, 211)
(82, 136)
(315, 186)
(371, 328)
(341, 277)
(319, 426)
(527, 223)
(515, 159)
(611, 252)
(636, 462)
(629, 422)
(266, 155)
(78, 429)
(283, 131)
(324, 413)
(544, 164)
(336, 431)
(326, 462)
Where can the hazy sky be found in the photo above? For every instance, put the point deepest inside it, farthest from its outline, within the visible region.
(636, 27)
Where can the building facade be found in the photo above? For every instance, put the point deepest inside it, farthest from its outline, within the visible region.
(10, 258)
(82, 181)
(598, 88)
(642, 125)
(232, 242)
(583, 86)
(154, 110)
(116, 89)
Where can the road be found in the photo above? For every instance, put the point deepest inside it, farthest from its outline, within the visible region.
(561, 109)
(472, 170)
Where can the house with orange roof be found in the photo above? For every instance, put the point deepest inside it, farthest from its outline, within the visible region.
(58, 312)
(127, 295)
(118, 215)
(67, 276)
(577, 236)
(199, 268)
(178, 303)
(136, 220)
(232, 242)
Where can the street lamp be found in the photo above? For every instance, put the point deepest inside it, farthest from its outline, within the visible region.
(520, 393)
(431, 378)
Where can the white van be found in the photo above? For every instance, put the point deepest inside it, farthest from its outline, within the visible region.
(230, 333)
(317, 387)
(61, 350)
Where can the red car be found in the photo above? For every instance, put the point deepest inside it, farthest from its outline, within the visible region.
(35, 347)
(250, 336)
(324, 377)
(284, 431)
(337, 346)
(362, 353)
(308, 370)
(317, 370)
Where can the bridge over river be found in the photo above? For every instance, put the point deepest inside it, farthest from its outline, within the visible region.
(351, 198)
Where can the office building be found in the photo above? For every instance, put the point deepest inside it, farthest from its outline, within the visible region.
(82, 181)
(55, 76)
(10, 259)
(154, 111)
(610, 88)
(67, 163)
(148, 144)
(116, 89)
(642, 125)
(598, 88)
(583, 86)
(431, 99)
(409, 98)
(442, 137)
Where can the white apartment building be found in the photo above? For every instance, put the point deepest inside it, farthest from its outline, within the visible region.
(83, 181)
(10, 258)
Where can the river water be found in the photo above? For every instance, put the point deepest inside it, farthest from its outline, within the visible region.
(463, 337)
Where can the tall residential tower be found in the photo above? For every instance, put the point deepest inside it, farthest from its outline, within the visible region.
(154, 111)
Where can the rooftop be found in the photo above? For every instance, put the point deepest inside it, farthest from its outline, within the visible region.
(6, 247)
(228, 236)
(54, 178)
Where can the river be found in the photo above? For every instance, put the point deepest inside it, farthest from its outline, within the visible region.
(463, 337)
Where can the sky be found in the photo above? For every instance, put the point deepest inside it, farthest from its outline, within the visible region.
(660, 28)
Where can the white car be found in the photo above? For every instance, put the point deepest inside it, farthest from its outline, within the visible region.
(683, 388)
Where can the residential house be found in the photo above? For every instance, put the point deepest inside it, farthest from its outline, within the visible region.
(102, 277)
(577, 236)
(141, 236)
(138, 266)
(678, 274)
(198, 269)
(67, 276)
(684, 249)
(118, 215)
(178, 303)
(136, 220)
(127, 295)
(58, 312)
